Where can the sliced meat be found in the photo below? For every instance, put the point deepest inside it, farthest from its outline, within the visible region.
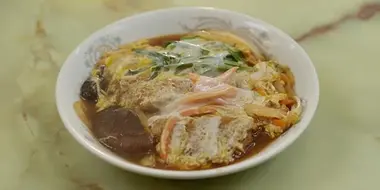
(232, 136)
(197, 146)
(210, 141)
(120, 130)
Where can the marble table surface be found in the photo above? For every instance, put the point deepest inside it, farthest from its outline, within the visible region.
(340, 150)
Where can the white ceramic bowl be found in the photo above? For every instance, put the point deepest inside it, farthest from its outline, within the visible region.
(179, 20)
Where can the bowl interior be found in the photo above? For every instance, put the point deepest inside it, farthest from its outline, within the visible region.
(180, 20)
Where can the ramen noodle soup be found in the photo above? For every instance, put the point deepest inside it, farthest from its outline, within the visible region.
(188, 101)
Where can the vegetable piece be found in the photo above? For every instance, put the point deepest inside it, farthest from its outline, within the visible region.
(143, 118)
(207, 63)
(194, 77)
(295, 113)
(165, 137)
(289, 83)
(205, 52)
(231, 63)
(273, 130)
(279, 122)
(135, 71)
(188, 44)
(182, 67)
(198, 111)
(224, 67)
(227, 75)
(279, 87)
(261, 91)
(253, 51)
(259, 110)
(108, 61)
(237, 55)
(288, 102)
(168, 44)
(154, 72)
(159, 59)
(202, 68)
(149, 160)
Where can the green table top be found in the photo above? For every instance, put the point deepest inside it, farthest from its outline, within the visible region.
(340, 150)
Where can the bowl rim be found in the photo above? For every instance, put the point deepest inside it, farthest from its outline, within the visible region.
(196, 174)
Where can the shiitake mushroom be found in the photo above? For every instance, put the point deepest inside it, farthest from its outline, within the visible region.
(120, 130)
(89, 91)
